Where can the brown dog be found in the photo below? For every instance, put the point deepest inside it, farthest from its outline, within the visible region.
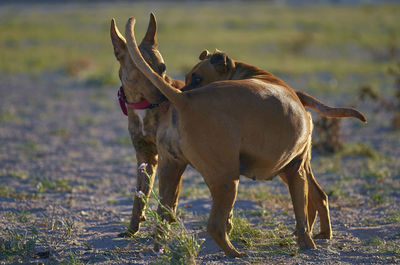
(218, 66)
(260, 130)
(144, 124)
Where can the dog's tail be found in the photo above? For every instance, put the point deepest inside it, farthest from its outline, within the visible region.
(328, 111)
(175, 96)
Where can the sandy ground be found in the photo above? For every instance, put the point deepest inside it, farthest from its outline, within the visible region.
(66, 166)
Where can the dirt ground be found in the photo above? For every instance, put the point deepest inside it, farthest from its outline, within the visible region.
(66, 166)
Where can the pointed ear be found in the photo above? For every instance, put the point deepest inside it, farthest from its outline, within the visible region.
(218, 59)
(204, 55)
(151, 34)
(221, 61)
(117, 40)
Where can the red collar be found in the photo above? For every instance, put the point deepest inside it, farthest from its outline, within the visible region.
(144, 104)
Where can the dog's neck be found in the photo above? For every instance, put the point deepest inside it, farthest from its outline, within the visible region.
(245, 71)
(175, 83)
(155, 113)
(147, 120)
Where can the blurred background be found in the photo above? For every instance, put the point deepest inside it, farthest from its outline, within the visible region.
(334, 45)
(66, 158)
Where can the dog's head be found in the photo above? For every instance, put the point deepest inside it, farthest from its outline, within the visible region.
(134, 82)
(212, 67)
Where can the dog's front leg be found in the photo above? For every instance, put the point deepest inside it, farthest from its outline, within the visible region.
(146, 152)
(298, 188)
(170, 180)
(144, 183)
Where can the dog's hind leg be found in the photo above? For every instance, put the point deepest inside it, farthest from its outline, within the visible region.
(319, 201)
(223, 196)
(298, 187)
(312, 211)
(229, 224)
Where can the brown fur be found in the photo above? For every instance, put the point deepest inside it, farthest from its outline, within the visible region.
(143, 132)
(231, 128)
(219, 66)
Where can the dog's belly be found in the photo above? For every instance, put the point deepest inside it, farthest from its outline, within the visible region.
(257, 169)
(264, 155)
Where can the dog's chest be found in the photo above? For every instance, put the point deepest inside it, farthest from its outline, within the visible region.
(142, 114)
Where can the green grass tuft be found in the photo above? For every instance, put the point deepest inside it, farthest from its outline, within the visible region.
(395, 217)
(9, 116)
(244, 232)
(177, 244)
(360, 149)
(52, 185)
(21, 175)
(16, 246)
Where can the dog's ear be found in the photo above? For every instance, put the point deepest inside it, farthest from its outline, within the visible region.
(221, 62)
(151, 34)
(117, 40)
(204, 55)
(230, 63)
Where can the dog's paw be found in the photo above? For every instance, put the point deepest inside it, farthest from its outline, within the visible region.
(305, 242)
(233, 253)
(323, 236)
(242, 255)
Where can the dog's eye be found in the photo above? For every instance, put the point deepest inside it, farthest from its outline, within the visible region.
(196, 80)
(162, 68)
